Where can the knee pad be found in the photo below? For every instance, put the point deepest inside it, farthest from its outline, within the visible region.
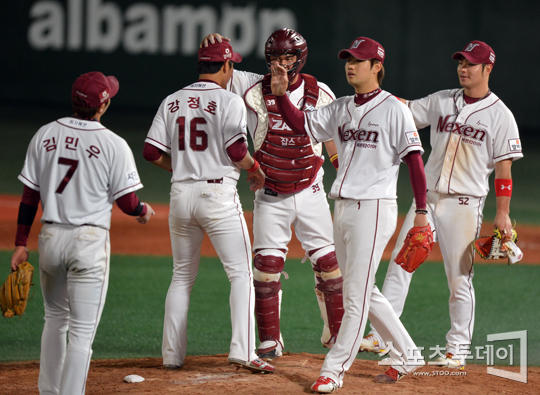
(324, 260)
(268, 265)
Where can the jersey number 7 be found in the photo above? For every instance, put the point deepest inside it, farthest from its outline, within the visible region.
(72, 163)
(198, 139)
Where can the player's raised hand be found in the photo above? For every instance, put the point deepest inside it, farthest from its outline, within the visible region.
(280, 79)
(212, 38)
(143, 219)
(256, 180)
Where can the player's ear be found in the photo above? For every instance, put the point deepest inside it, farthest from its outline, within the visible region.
(376, 67)
(101, 110)
(488, 68)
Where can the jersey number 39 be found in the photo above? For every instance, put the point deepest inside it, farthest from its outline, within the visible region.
(198, 139)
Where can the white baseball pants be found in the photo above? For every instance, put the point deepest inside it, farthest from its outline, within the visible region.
(307, 210)
(74, 275)
(195, 208)
(362, 230)
(456, 222)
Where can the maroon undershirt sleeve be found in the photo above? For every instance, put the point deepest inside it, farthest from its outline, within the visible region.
(418, 178)
(237, 150)
(131, 205)
(27, 213)
(151, 152)
(290, 114)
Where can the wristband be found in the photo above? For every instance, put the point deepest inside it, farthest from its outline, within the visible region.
(255, 167)
(421, 211)
(334, 160)
(503, 187)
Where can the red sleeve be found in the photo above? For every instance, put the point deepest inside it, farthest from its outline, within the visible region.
(291, 115)
(27, 214)
(418, 178)
(151, 152)
(131, 205)
(237, 150)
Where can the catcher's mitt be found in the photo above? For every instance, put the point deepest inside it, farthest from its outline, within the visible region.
(416, 248)
(15, 291)
(498, 246)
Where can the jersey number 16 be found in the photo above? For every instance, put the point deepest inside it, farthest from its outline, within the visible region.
(198, 139)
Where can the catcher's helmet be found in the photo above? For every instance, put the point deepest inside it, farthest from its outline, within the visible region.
(287, 42)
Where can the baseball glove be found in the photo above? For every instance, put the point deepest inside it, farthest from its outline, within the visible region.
(15, 291)
(416, 248)
(498, 246)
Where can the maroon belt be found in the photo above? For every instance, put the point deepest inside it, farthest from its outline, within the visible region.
(220, 181)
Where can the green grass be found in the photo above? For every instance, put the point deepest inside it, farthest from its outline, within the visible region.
(132, 320)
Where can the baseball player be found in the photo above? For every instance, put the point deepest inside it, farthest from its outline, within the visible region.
(472, 134)
(374, 132)
(293, 194)
(203, 129)
(77, 168)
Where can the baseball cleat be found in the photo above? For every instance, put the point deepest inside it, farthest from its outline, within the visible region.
(256, 366)
(449, 361)
(371, 343)
(172, 366)
(269, 350)
(325, 385)
(391, 376)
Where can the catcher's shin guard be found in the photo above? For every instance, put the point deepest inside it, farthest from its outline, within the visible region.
(267, 306)
(332, 291)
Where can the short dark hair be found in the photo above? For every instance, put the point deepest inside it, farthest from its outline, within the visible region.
(380, 75)
(210, 67)
(82, 111)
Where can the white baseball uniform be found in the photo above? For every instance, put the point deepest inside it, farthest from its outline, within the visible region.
(467, 140)
(79, 168)
(195, 125)
(274, 213)
(371, 139)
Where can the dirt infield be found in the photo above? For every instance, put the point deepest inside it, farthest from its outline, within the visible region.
(128, 237)
(295, 373)
(211, 374)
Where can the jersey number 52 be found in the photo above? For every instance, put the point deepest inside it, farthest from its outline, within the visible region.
(198, 139)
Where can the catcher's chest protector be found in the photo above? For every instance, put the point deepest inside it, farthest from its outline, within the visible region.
(287, 158)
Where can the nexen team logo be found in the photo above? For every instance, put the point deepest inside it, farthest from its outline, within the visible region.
(364, 138)
(356, 43)
(470, 134)
(470, 47)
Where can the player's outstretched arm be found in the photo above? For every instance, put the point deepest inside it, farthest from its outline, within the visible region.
(255, 175)
(503, 192)
(212, 38)
(143, 219)
(331, 150)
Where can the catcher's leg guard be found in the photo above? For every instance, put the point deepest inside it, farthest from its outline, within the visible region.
(329, 284)
(266, 276)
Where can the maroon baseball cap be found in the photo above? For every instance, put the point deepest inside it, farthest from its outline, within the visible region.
(476, 52)
(364, 48)
(93, 89)
(218, 52)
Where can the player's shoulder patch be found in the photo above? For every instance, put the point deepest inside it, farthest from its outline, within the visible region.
(514, 145)
(132, 176)
(413, 138)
